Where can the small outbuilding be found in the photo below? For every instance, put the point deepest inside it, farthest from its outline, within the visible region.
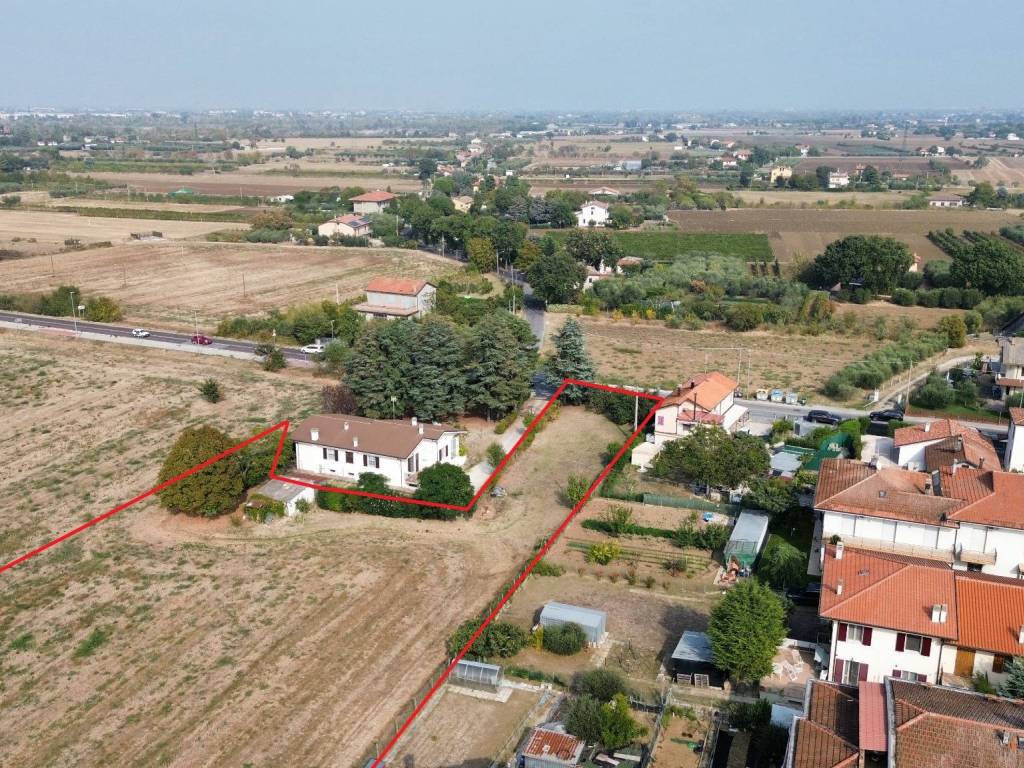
(747, 538)
(478, 675)
(693, 663)
(288, 494)
(594, 623)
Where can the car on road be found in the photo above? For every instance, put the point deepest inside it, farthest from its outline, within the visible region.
(823, 417)
(198, 338)
(140, 333)
(889, 414)
(809, 595)
(315, 348)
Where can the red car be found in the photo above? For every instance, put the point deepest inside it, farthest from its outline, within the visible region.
(198, 338)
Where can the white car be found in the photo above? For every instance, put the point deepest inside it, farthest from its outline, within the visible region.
(314, 349)
(140, 333)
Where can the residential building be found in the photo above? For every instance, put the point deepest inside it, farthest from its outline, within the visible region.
(779, 172)
(804, 150)
(1010, 381)
(838, 179)
(630, 165)
(593, 214)
(928, 446)
(390, 297)
(968, 517)
(708, 399)
(463, 203)
(728, 161)
(904, 724)
(605, 191)
(349, 225)
(281, 198)
(1014, 460)
(916, 619)
(345, 447)
(946, 200)
(372, 202)
(548, 747)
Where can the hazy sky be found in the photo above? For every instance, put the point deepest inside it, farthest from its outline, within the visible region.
(516, 54)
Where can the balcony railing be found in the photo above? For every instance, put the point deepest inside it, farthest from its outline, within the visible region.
(910, 550)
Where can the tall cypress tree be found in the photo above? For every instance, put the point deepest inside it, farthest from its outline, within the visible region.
(571, 360)
(500, 363)
(437, 389)
(381, 367)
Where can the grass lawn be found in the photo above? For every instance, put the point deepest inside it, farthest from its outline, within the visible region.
(794, 528)
(965, 412)
(671, 244)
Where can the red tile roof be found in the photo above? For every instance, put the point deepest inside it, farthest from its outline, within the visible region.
(377, 196)
(552, 744)
(827, 736)
(991, 612)
(890, 591)
(1017, 416)
(397, 285)
(707, 390)
(351, 219)
(987, 498)
(933, 430)
(974, 450)
(873, 727)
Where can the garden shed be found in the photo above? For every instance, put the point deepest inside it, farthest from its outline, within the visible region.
(693, 663)
(747, 538)
(288, 494)
(478, 675)
(594, 623)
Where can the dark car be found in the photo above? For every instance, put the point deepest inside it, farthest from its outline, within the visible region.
(198, 338)
(890, 414)
(823, 417)
(809, 595)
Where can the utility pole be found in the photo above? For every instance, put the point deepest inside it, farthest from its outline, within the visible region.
(53, 270)
(337, 295)
(124, 275)
(74, 314)
(243, 285)
(195, 321)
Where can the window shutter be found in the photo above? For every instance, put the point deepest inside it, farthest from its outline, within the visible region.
(896, 673)
(325, 453)
(926, 646)
(838, 674)
(862, 672)
(867, 636)
(365, 462)
(901, 641)
(842, 631)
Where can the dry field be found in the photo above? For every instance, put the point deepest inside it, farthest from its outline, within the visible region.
(54, 228)
(1008, 171)
(99, 202)
(799, 198)
(655, 355)
(795, 232)
(160, 640)
(249, 183)
(167, 281)
(343, 143)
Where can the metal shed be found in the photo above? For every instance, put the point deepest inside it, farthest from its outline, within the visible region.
(594, 623)
(477, 674)
(747, 538)
(693, 663)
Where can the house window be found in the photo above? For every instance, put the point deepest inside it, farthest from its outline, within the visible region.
(371, 461)
(851, 672)
(330, 453)
(974, 567)
(855, 633)
(999, 663)
(661, 421)
(915, 677)
(349, 458)
(411, 465)
(913, 643)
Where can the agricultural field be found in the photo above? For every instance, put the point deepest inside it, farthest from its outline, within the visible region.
(176, 641)
(51, 229)
(797, 198)
(90, 202)
(798, 232)
(249, 183)
(999, 171)
(161, 283)
(669, 243)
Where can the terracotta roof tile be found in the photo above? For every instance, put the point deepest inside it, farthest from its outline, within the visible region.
(376, 436)
(987, 498)
(963, 449)
(552, 745)
(1017, 416)
(871, 715)
(397, 285)
(707, 390)
(377, 196)
(933, 430)
(990, 612)
(827, 736)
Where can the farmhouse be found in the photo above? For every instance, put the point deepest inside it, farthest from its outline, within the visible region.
(838, 179)
(348, 225)
(390, 297)
(917, 619)
(1010, 381)
(463, 203)
(372, 202)
(946, 200)
(348, 446)
(779, 172)
(903, 724)
(706, 399)
(592, 214)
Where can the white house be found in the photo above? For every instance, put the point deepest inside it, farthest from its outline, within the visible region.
(1011, 369)
(946, 200)
(592, 214)
(968, 517)
(708, 399)
(915, 619)
(729, 161)
(1014, 460)
(281, 198)
(934, 444)
(390, 297)
(345, 447)
(349, 225)
(779, 172)
(838, 179)
(372, 202)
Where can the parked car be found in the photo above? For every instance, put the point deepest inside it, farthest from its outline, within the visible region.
(316, 348)
(889, 414)
(823, 417)
(198, 338)
(140, 333)
(809, 595)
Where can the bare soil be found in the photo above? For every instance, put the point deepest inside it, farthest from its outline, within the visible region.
(162, 283)
(54, 228)
(248, 183)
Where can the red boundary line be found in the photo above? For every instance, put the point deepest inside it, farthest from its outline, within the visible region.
(283, 426)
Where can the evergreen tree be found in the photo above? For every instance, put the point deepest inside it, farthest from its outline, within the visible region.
(571, 361)
(1013, 686)
(212, 491)
(500, 360)
(381, 367)
(618, 728)
(745, 629)
(584, 719)
(437, 389)
(445, 484)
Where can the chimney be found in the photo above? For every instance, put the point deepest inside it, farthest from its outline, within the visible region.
(927, 427)
(936, 482)
(346, 426)
(839, 587)
(314, 434)
(415, 421)
(959, 443)
(421, 429)
(355, 441)
(939, 613)
(1020, 635)
(839, 550)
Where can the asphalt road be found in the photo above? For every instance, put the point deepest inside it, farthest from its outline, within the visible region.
(168, 337)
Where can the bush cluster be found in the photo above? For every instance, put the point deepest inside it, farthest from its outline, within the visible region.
(881, 365)
(565, 640)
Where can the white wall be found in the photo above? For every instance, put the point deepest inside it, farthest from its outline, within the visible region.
(882, 657)
(906, 454)
(1008, 544)
(982, 664)
(1014, 460)
(889, 531)
(309, 458)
